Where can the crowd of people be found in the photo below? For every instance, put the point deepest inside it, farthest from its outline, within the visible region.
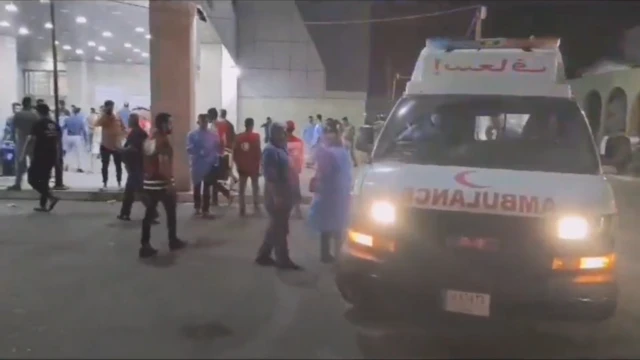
(215, 151)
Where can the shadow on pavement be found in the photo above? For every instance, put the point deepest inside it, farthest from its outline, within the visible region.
(206, 332)
(162, 260)
(380, 337)
(299, 279)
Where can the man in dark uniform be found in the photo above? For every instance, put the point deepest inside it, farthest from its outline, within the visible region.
(46, 136)
(278, 201)
(158, 185)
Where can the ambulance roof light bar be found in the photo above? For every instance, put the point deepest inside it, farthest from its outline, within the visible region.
(528, 45)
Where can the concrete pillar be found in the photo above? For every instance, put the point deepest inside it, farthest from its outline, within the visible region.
(8, 77)
(173, 71)
(208, 83)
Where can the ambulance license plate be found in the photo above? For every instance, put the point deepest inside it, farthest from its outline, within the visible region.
(468, 303)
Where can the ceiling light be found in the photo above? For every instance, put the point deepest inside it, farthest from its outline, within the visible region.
(64, 10)
(144, 54)
(127, 45)
(147, 36)
(23, 31)
(57, 42)
(107, 34)
(91, 43)
(136, 50)
(79, 51)
(44, 1)
(48, 25)
(11, 7)
(4, 24)
(98, 58)
(128, 60)
(139, 29)
(102, 48)
(66, 47)
(81, 20)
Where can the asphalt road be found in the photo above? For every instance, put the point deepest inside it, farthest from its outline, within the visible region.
(72, 287)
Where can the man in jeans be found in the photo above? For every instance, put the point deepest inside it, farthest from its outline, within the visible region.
(23, 121)
(246, 156)
(112, 134)
(278, 201)
(202, 147)
(158, 185)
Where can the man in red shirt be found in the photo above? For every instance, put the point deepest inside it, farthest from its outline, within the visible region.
(223, 169)
(295, 148)
(246, 156)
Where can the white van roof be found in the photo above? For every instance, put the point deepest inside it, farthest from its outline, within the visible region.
(521, 67)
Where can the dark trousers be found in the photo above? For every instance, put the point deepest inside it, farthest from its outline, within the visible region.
(326, 238)
(132, 187)
(105, 157)
(202, 196)
(275, 238)
(169, 201)
(38, 176)
(255, 190)
(219, 173)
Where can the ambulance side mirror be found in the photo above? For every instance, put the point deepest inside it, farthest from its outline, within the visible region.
(365, 139)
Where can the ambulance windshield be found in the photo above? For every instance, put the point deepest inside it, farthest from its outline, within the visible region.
(500, 132)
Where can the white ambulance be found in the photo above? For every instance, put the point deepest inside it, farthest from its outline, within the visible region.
(484, 195)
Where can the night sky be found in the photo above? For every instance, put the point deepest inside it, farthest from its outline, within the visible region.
(590, 30)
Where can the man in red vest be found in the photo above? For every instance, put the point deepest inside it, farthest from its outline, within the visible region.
(247, 156)
(295, 148)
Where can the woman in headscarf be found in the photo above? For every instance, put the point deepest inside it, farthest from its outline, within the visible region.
(331, 185)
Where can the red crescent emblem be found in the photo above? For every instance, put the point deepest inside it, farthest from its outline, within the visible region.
(461, 178)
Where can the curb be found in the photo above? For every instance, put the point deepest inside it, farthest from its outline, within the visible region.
(108, 196)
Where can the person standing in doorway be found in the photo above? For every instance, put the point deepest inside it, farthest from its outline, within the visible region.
(9, 129)
(132, 159)
(45, 135)
(123, 113)
(246, 156)
(348, 139)
(90, 125)
(316, 139)
(74, 126)
(23, 122)
(158, 185)
(278, 201)
(202, 147)
(267, 129)
(62, 108)
(307, 134)
(112, 134)
(230, 138)
(221, 171)
(295, 148)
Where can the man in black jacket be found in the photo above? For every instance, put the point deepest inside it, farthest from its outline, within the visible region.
(132, 156)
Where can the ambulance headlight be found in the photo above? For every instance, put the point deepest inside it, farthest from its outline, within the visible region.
(573, 228)
(383, 212)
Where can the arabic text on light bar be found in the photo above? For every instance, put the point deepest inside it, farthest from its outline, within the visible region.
(518, 66)
(497, 43)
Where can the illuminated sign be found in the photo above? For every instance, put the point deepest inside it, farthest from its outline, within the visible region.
(480, 201)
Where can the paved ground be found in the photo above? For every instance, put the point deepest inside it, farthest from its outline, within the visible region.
(87, 185)
(73, 287)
